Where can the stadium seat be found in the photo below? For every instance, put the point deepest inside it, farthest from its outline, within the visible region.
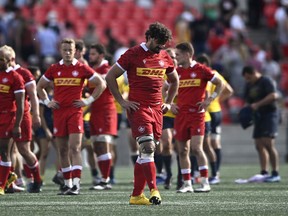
(80, 28)
(139, 14)
(118, 28)
(134, 29)
(39, 14)
(124, 13)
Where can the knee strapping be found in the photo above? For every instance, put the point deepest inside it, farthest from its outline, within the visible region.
(146, 156)
(145, 138)
(147, 149)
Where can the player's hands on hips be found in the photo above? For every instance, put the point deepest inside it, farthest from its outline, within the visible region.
(53, 104)
(79, 103)
(174, 109)
(130, 105)
(203, 105)
(165, 107)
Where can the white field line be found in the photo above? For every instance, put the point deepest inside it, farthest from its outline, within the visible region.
(81, 203)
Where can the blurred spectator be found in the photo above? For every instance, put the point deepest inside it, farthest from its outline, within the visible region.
(80, 4)
(90, 36)
(53, 22)
(14, 28)
(218, 36)
(68, 30)
(210, 9)
(3, 31)
(146, 4)
(281, 18)
(255, 12)
(237, 23)
(119, 51)
(113, 43)
(182, 29)
(199, 35)
(27, 37)
(227, 8)
(47, 43)
(233, 57)
(271, 68)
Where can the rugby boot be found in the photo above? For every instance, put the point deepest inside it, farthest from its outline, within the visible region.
(155, 197)
(139, 200)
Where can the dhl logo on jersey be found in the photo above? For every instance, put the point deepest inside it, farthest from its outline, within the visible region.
(151, 72)
(67, 81)
(189, 83)
(4, 88)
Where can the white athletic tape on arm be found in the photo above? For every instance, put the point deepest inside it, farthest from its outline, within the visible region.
(214, 95)
(88, 100)
(46, 101)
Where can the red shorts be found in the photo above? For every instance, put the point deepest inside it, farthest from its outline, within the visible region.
(103, 122)
(67, 121)
(146, 120)
(26, 128)
(187, 125)
(7, 121)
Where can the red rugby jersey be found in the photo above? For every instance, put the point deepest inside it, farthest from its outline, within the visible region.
(145, 71)
(10, 84)
(68, 81)
(192, 86)
(28, 79)
(106, 99)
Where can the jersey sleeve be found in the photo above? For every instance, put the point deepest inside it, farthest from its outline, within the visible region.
(89, 71)
(170, 64)
(125, 59)
(18, 85)
(28, 77)
(208, 74)
(49, 73)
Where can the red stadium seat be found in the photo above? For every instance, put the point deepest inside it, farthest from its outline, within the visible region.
(134, 29)
(118, 28)
(80, 28)
(139, 14)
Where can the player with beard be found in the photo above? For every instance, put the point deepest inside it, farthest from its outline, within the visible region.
(103, 119)
(146, 65)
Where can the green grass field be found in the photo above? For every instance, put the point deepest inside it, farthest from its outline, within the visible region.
(227, 198)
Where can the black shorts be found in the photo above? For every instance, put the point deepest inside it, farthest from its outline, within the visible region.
(216, 119)
(266, 125)
(120, 119)
(40, 133)
(207, 127)
(168, 122)
(86, 129)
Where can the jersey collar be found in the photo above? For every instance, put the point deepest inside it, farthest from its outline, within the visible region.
(193, 63)
(17, 66)
(9, 69)
(143, 45)
(74, 62)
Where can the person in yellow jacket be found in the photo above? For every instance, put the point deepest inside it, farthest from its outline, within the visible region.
(214, 110)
